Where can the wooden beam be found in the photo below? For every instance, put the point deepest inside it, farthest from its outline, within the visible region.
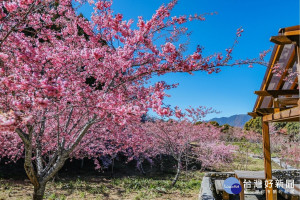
(276, 93)
(267, 158)
(281, 40)
(295, 32)
(290, 28)
(287, 101)
(254, 114)
(268, 75)
(266, 111)
(276, 106)
(289, 64)
(292, 114)
(295, 83)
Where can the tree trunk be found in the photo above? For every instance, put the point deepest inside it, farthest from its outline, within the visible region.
(142, 169)
(177, 173)
(112, 167)
(39, 191)
(81, 164)
(161, 166)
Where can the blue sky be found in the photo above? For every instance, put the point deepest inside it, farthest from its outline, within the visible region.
(232, 90)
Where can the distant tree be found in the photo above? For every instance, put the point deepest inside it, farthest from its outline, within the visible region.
(225, 128)
(199, 122)
(293, 129)
(214, 123)
(254, 125)
(283, 127)
(185, 142)
(286, 149)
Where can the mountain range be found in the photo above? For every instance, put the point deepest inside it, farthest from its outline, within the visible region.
(234, 120)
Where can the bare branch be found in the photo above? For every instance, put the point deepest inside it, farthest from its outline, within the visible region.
(81, 134)
(23, 136)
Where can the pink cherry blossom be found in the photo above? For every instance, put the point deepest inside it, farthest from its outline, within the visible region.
(69, 85)
(10, 6)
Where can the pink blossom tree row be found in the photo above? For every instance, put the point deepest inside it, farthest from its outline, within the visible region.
(68, 84)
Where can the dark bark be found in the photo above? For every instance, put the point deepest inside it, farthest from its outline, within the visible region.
(161, 166)
(40, 175)
(39, 191)
(142, 169)
(112, 167)
(81, 164)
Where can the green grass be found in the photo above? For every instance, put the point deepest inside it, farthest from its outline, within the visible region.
(156, 186)
(137, 187)
(240, 160)
(254, 164)
(254, 148)
(139, 183)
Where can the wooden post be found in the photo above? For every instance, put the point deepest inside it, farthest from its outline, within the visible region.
(267, 158)
(225, 196)
(242, 193)
(276, 105)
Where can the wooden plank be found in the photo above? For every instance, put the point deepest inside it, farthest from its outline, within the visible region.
(290, 28)
(276, 93)
(267, 111)
(251, 175)
(287, 101)
(295, 83)
(281, 40)
(291, 114)
(295, 32)
(254, 114)
(267, 158)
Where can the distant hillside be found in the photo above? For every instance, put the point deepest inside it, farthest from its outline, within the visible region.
(234, 120)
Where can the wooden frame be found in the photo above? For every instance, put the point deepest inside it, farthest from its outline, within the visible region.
(292, 114)
(286, 108)
(267, 158)
(276, 93)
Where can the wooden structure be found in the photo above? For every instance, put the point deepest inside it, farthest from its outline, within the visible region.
(278, 98)
(252, 176)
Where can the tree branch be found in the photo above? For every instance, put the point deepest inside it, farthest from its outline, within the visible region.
(13, 28)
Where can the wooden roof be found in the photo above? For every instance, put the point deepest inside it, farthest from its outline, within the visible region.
(280, 92)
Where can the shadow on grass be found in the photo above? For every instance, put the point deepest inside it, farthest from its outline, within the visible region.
(86, 183)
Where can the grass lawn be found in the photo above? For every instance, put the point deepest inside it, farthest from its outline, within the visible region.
(90, 186)
(254, 164)
(244, 162)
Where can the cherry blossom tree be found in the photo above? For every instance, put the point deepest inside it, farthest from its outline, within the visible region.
(285, 147)
(69, 85)
(186, 141)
